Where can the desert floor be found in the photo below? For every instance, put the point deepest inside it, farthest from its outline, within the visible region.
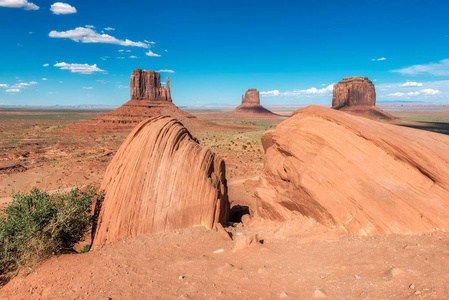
(295, 261)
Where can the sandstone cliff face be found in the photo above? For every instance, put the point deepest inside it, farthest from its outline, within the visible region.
(354, 91)
(161, 179)
(146, 85)
(251, 97)
(359, 175)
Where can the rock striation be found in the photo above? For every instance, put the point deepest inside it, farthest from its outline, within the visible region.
(161, 179)
(357, 95)
(251, 108)
(362, 176)
(148, 99)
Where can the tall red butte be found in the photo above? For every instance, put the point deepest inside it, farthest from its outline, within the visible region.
(357, 96)
(362, 176)
(251, 108)
(148, 99)
(161, 179)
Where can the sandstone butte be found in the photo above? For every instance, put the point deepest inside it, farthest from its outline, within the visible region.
(148, 99)
(251, 108)
(357, 96)
(161, 179)
(362, 176)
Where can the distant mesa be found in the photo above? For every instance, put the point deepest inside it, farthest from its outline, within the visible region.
(359, 175)
(161, 179)
(251, 107)
(148, 98)
(357, 96)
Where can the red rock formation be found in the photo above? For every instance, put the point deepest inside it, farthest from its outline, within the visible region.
(146, 85)
(359, 175)
(161, 179)
(357, 96)
(251, 97)
(148, 98)
(251, 108)
(354, 91)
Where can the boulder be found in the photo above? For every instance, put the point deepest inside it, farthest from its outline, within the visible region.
(362, 176)
(161, 179)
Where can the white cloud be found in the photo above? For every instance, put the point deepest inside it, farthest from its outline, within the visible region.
(311, 91)
(90, 26)
(149, 42)
(13, 91)
(109, 28)
(413, 93)
(44, 79)
(60, 8)
(88, 35)
(122, 86)
(88, 88)
(121, 50)
(19, 4)
(79, 68)
(430, 92)
(16, 88)
(150, 53)
(397, 94)
(165, 71)
(437, 69)
(45, 65)
(412, 83)
(105, 57)
(133, 56)
(3, 85)
(270, 93)
(379, 59)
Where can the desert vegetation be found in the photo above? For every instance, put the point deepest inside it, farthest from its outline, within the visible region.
(37, 225)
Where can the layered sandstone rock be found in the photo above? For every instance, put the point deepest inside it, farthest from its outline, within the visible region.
(357, 96)
(354, 91)
(251, 108)
(148, 99)
(359, 175)
(146, 85)
(161, 179)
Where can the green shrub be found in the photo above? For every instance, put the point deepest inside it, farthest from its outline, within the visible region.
(37, 225)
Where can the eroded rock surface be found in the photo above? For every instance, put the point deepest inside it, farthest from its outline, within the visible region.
(146, 85)
(362, 176)
(354, 91)
(161, 179)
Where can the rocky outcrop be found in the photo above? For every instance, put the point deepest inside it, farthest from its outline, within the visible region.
(362, 176)
(161, 179)
(251, 97)
(354, 91)
(357, 96)
(251, 108)
(146, 85)
(148, 99)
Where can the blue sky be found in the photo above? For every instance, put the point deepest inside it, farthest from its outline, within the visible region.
(83, 52)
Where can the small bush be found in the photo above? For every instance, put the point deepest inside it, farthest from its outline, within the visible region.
(37, 225)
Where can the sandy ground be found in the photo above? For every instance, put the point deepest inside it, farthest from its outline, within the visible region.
(201, 264)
